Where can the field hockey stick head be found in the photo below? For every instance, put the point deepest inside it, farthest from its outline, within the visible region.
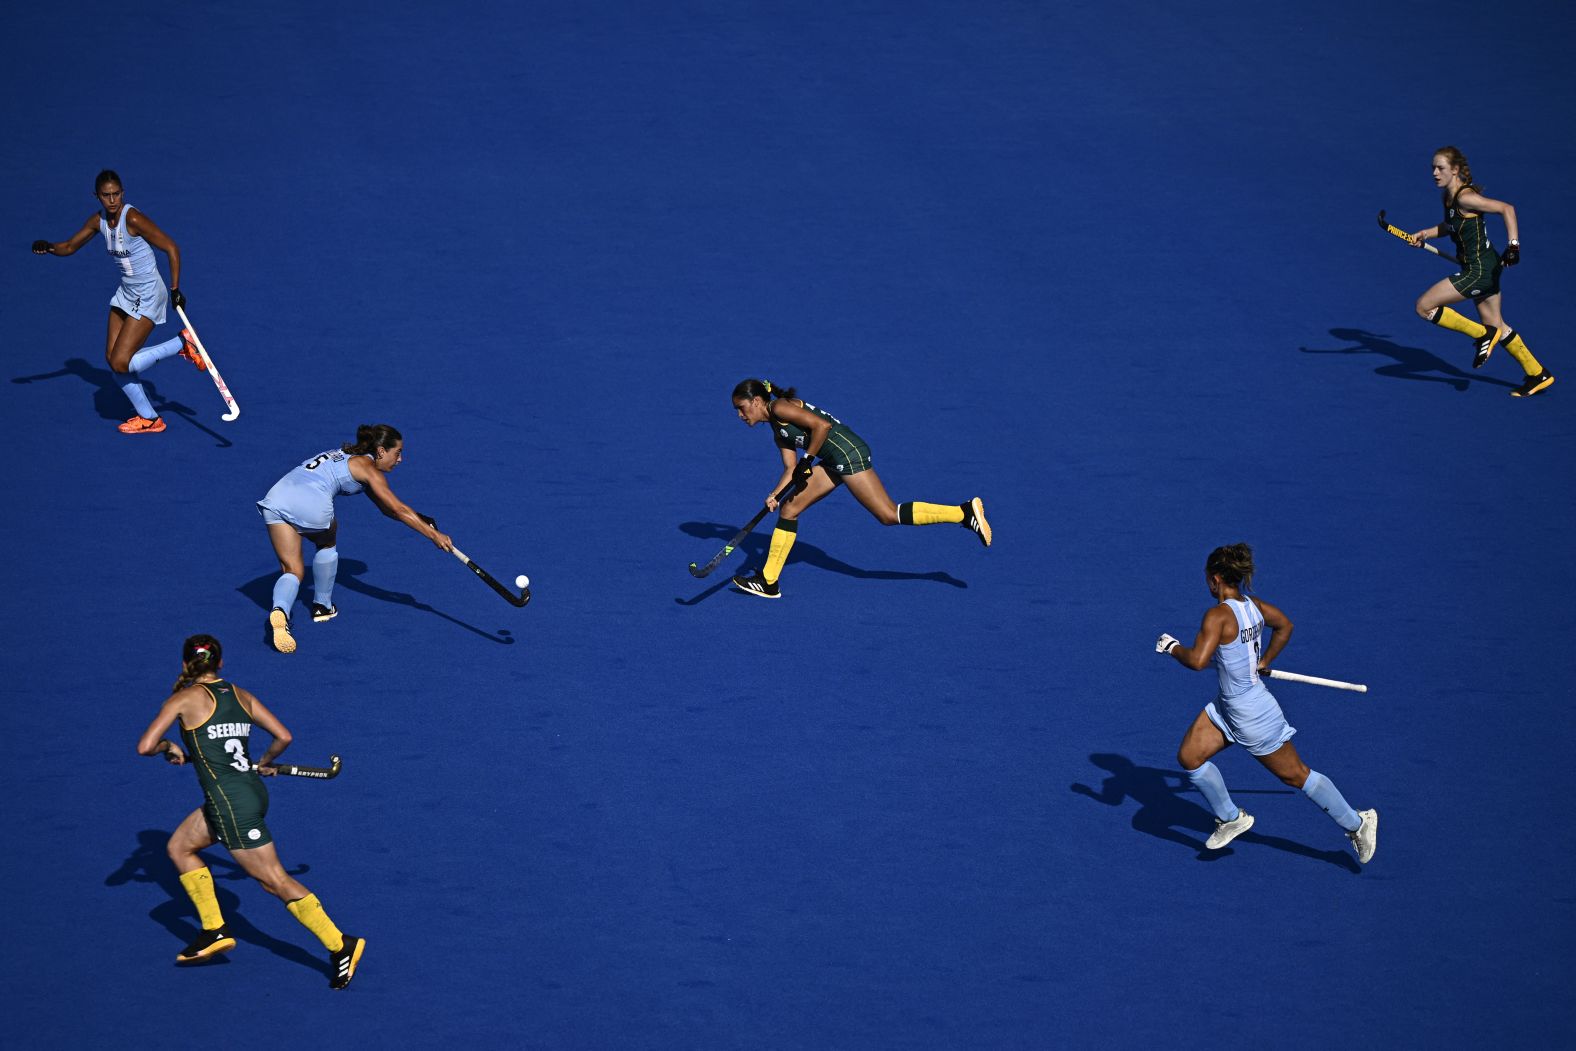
(1382, 224)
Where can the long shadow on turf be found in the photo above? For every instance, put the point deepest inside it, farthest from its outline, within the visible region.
(111, 404)
(754, 550)
(149, 864)
(261, 591)
(1411, 363)
(1163, 813)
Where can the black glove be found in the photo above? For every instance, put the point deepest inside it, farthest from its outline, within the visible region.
(1512, 254)
(802, 472)
(177, 297)
(41, 247)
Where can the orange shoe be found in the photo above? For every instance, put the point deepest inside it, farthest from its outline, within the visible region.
(190, 352)
(138, 425)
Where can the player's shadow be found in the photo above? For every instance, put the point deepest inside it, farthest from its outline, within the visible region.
(148, 863)
(261, 591)
(110, 402)
(1163, 812)
(1411, 363)
(754, 550)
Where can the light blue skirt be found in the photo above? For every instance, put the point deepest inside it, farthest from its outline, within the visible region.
(1254, 721)
(147, 299)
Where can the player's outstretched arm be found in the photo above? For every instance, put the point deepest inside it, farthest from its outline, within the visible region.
(379, 493)
(69, 247)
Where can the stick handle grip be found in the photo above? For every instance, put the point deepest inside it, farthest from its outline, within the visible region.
(1314, 680)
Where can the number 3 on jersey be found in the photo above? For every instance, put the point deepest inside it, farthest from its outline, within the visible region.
(237, 749)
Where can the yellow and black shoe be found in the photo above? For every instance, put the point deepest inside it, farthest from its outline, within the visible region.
(1485, 346)
(344, 961)
(1532, 384)
(756, 585)
(206, 944)
(279, 631)
(320, 612)
(974, 520)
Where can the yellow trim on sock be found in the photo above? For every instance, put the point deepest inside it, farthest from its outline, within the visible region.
(310, 912)
(1456, 323)
(198, 884)
(935, 514)
(1517, 349)
(777, 557)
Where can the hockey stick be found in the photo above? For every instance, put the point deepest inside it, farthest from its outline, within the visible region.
(1403, 235)
(487, 578)
(218, 381)
(322, 773)
(509, 596)
(1334, 684)
(738, 538)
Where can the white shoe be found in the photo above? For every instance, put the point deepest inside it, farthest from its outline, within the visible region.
(1366, 839)
(1226, 831)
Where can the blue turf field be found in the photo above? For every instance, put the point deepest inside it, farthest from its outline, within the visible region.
(1112, 267)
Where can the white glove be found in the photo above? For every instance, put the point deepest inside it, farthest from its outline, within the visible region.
(1165, 644)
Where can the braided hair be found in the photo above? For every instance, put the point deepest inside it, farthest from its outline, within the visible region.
(370, 437)
(200, 655)
(1233, 563)
(1456, 159)
(762, 389)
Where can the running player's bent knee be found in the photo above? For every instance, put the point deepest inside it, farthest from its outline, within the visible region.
(1426, 313)
(1295, 778)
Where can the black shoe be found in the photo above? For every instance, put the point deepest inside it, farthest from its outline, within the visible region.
(206, 944)
(344, 961)
(1532, 384)
(1485, 346)
(320, 612)
(756, 585)
(974, 519)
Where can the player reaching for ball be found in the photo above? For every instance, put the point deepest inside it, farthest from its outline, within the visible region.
(1478, 280)
(140, 302)
(302, 504)
(844, 460)
(1245, 712)
(216, 719)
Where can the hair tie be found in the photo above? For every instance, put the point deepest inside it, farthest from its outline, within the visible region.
(768, 385)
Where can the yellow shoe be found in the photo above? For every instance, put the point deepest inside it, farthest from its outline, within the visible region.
(279, 631)
(344, 961)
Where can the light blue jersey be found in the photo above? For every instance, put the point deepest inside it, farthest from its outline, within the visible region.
(141, 292)
(1246, 712)
(1237, 661)
(305, 497)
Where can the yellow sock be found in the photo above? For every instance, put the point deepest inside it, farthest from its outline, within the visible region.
(782, 542)
(1444, 317)
(310, 912)
(199, 888)
(918, 513)
(1518, 350)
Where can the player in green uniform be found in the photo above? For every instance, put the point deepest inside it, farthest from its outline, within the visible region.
(1465, 225)
(216, 719)
(844, 460)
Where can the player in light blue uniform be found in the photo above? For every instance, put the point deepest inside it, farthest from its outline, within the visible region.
(1245, 712)
(140, 301)
(302, 504)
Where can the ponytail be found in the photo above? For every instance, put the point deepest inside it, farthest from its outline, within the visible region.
(761, 389)
(1456, 159)
(370, 437)
(200, 655)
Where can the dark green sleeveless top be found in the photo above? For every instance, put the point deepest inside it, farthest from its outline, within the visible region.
(217, 747)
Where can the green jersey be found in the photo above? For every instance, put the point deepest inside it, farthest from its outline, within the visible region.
(843, 452)
(217, 747)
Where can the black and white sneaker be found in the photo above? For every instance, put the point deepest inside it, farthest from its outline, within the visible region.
(974, 519)
(344, 961)
(1532, 384)
(206, 944)
(1485, 346)
(756, 585)
(320, 612)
